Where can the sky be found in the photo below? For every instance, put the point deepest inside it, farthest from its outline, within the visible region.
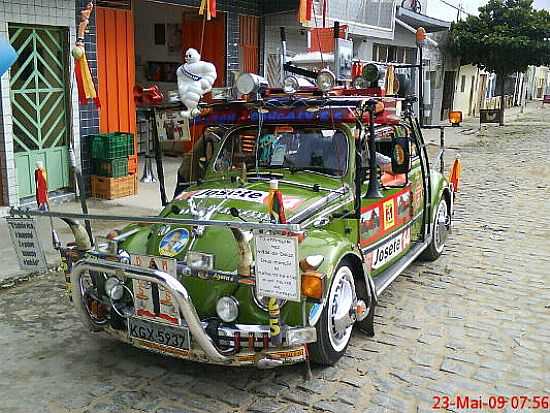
(440, 10)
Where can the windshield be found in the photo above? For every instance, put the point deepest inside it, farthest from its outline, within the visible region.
(296, 148)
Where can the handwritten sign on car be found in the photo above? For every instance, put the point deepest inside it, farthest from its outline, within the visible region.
(277, 272)
(27, 245)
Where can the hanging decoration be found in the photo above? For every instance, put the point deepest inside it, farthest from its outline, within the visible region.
(195, 78)
(84, 81)
(208, 7)
(304, 11)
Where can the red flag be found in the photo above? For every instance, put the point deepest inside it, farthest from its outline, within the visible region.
(213, 8)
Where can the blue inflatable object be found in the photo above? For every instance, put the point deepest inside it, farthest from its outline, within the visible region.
(7, 56)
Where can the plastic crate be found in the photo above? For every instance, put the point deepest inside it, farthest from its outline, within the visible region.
(111, 146)
(132, 164)
(113, 169)
(112, 188)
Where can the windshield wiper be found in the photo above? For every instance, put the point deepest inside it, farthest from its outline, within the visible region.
(268, 174)
(319, 169)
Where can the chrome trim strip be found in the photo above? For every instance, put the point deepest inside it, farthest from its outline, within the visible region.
(311, 220)
(294, 227)
(383, 280)
(381, 241)
(313, 208)
(177, 290)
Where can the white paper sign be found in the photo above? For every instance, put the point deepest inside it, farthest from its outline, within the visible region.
(27, 245)
(277, 271)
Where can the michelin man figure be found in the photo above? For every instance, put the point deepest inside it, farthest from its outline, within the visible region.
(195, 78)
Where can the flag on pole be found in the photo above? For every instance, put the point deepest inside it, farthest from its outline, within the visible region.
(275, 205)
(304, 11)
(454, 176)
(208, 7)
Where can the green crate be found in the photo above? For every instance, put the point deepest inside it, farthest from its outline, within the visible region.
(109, 146)
(114, 168)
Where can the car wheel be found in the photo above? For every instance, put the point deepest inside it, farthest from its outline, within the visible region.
(84, 302)
(331, 343)
(440, 230)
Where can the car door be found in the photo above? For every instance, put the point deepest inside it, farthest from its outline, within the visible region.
(386, 224)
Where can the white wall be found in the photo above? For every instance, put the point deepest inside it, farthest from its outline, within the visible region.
(462, 97)
(146, 15)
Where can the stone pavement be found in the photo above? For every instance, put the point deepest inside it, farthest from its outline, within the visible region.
(474, 323)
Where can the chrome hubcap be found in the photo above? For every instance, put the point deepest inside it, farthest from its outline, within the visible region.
(441, 226)
(341, 298)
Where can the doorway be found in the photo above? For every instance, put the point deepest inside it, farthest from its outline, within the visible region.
(448, 94)
(39, 99)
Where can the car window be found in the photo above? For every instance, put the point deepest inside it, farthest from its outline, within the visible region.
(295, 148)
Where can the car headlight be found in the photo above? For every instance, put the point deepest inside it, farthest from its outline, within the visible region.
(114, 288)
(371, 73)
(325, 80)
(290, 85)
(227, 309)
(360, 83)
(248, 83)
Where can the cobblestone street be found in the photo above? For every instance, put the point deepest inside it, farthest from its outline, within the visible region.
(474, 323)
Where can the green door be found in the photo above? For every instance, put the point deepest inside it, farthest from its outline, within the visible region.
(39, 100)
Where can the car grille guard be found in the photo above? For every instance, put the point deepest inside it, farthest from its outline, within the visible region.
(219, 342)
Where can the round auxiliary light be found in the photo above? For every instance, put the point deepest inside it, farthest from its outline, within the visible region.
(325, 80)
(227, 309)
(371, 73)
(360, 83)
(249, 83)
(114, 288)
(290, 85)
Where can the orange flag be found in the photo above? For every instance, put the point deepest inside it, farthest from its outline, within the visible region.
(304, 11)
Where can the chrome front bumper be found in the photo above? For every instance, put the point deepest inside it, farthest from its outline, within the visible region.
(208, 351)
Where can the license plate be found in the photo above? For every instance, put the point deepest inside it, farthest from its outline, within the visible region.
(163, 334)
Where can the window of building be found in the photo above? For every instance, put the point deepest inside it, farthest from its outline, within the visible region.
(463, 84)
(395, 54)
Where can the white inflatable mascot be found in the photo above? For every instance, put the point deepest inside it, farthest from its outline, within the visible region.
(195, 78)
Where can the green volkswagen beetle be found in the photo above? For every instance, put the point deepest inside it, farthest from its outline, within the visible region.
(306, 207)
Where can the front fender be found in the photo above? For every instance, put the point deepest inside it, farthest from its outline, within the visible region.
(439, 189)
(334, 248)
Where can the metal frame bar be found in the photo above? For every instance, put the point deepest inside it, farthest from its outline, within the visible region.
(158, 220)
(177, 290)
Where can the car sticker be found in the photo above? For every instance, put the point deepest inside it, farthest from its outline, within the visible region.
(389, 214)
(389, 250)
(380, 218)
(240, 194)
(174, 242)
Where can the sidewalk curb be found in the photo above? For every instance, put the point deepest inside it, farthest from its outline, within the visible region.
(17, 280)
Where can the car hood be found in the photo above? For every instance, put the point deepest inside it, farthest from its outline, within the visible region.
(216, 199)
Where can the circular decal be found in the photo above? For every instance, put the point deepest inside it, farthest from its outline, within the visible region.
(174, 242)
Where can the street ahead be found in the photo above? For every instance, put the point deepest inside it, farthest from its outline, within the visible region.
(473, 324)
